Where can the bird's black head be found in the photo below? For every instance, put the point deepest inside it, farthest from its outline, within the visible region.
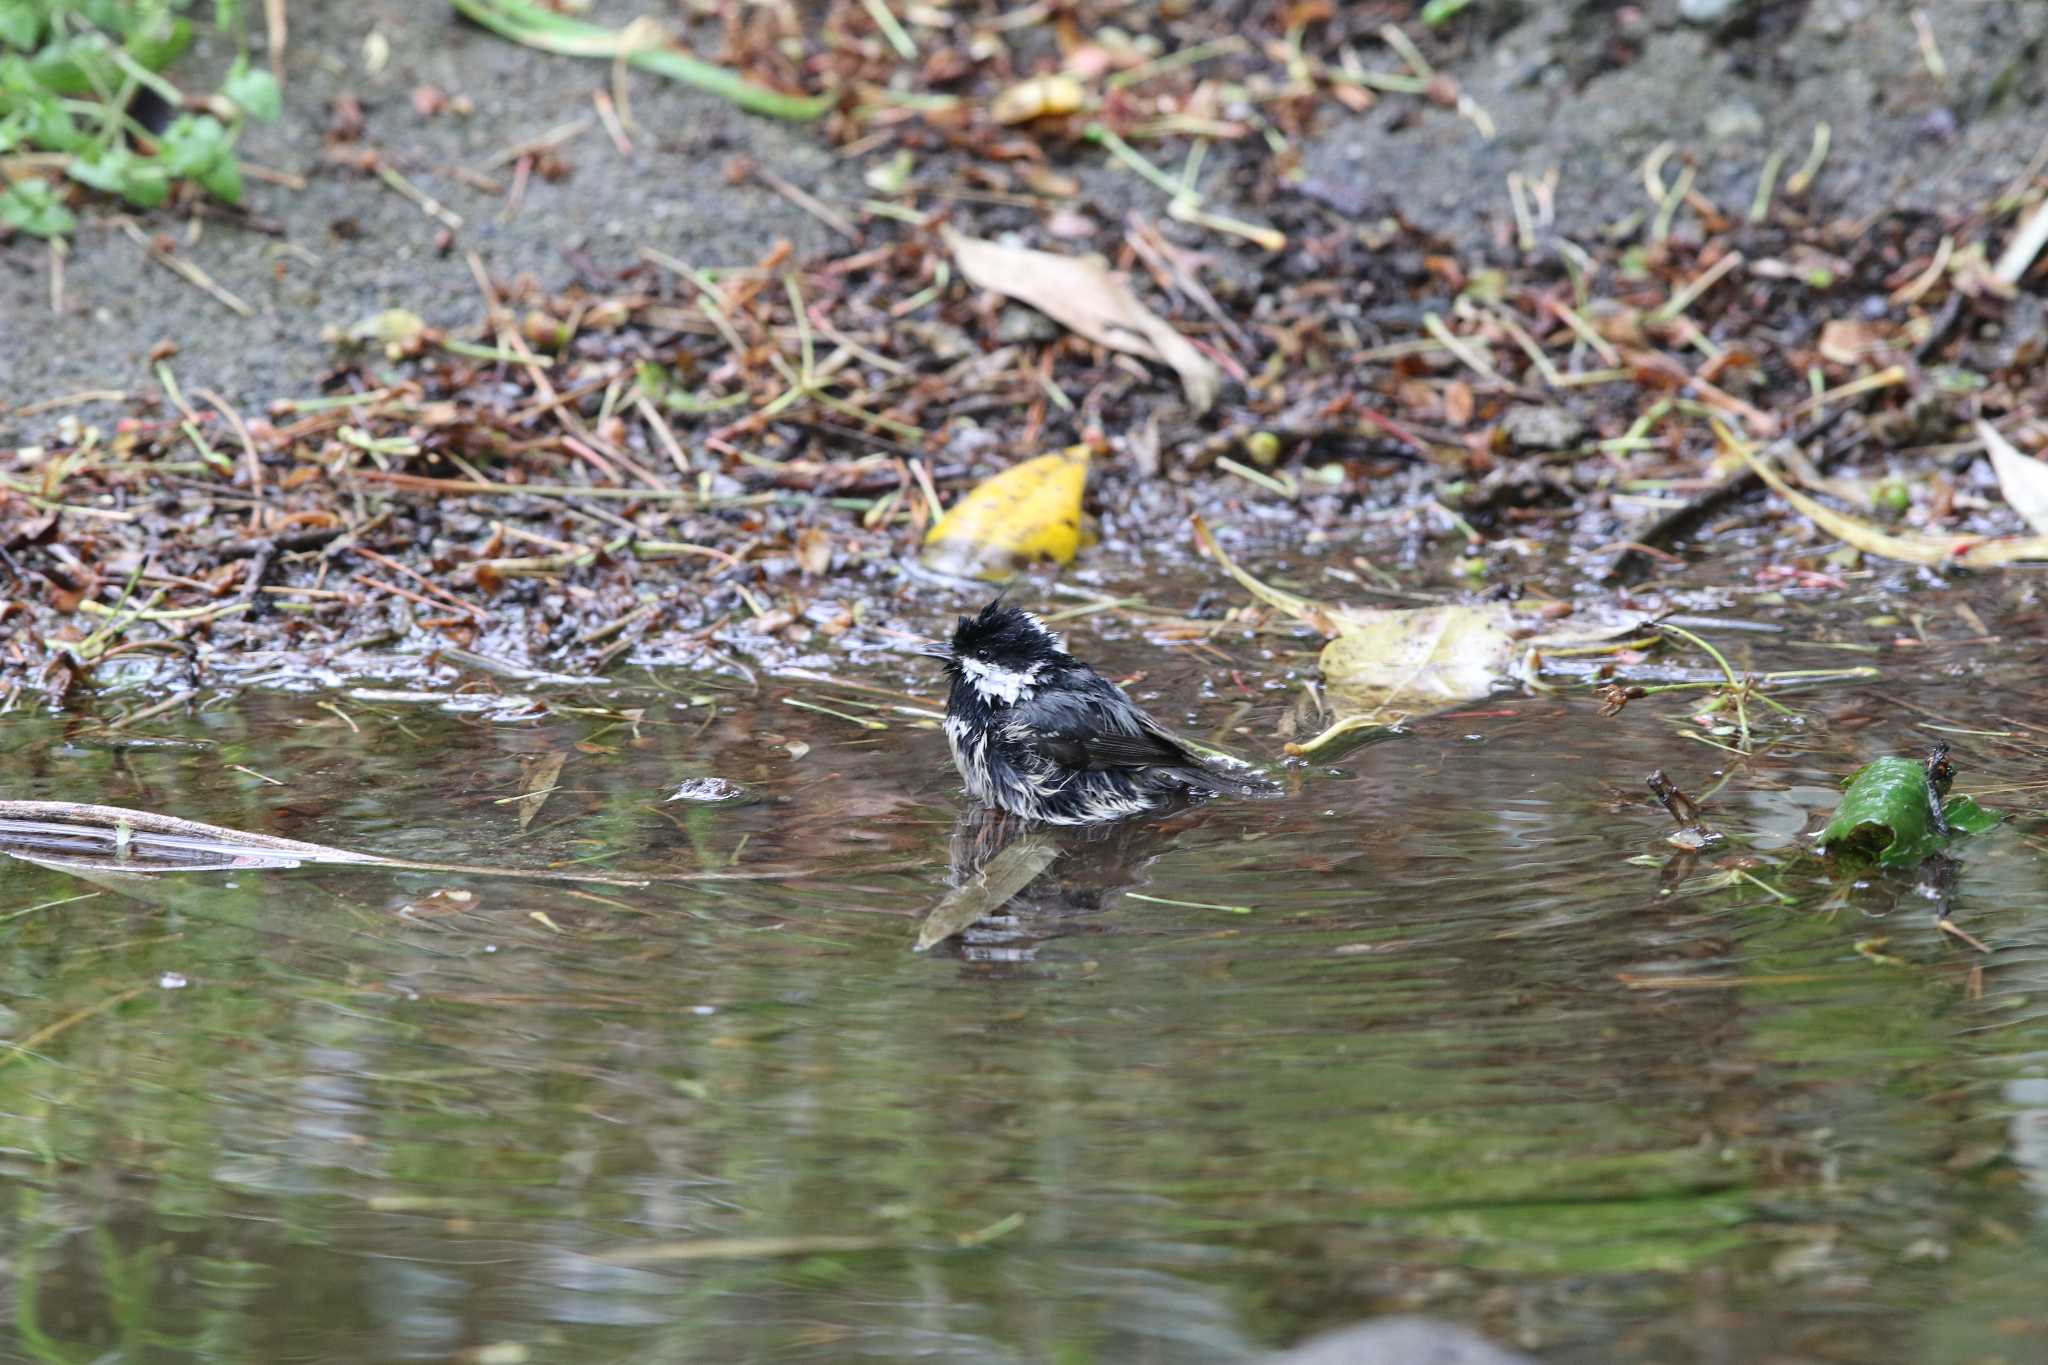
(1004, 651)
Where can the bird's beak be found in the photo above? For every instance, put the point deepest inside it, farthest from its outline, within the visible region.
(936, 650)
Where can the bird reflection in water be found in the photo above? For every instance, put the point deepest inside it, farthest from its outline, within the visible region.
(1016, 884)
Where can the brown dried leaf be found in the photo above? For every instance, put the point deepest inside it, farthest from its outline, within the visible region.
(814, 550)
(1088, 299)
(538, 782)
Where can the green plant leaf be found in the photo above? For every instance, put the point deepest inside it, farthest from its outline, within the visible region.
(1442, 11)
(254, 90)
(156, 47)
(51, 127)
(145, 185)
(79, 65)
(102, 172)
(34, 207)
(194, 144)
(223, 180)
(21, 24)
(1886, 815)
(116, 170)
(524, 21)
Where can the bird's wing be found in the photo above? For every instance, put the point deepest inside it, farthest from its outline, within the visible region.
(1082, 727)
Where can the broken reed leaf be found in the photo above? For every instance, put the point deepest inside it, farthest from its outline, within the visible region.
(1970, 552)
(2022, 478)
(1887, 814)
(1028, 513)
(533, 25)
(1011, 870)
(1387, 664)
(1087, 298)
(117, 839)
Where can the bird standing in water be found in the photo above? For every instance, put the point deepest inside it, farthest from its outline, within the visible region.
(1036, 732)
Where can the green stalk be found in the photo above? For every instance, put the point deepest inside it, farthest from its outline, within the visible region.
(527, 23)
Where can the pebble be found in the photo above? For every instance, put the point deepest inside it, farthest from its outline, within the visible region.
(1709, 13)
(1530, 427)
(1735, 121)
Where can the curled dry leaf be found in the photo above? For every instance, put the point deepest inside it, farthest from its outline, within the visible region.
(2023, 478)
(1027, 513)
(1087, 298)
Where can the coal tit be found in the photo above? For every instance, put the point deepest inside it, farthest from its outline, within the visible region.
(1037, 733)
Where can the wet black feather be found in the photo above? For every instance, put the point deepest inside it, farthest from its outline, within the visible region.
(1040, 734)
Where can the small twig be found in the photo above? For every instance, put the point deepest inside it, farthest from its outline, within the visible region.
(1701, 283)
(426, 203)
(1760, 206)
(279, 30)
(892, 29)
(809, 203)
(185, 270)
(2018, 256)
(1458, 347)
(1802, 179)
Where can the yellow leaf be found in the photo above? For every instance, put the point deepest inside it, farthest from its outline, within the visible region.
(1388, 664)
(1027, 513)
(1972, 552)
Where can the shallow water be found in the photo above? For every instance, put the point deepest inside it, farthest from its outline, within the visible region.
(1448, 1029)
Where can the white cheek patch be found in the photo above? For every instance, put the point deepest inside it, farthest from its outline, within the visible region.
(1045, 632)
(996, 683)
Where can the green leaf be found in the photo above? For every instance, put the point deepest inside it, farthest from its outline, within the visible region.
(1442, 11)
(223, 180)
(102, 172)
(1886, 814)
(254, 90)
(78, 65)
(21, 24)
(194, 144)
(121, 172)
(146, 185)
(157, 47)
(116, 170)
(33, 206)
(51, 127)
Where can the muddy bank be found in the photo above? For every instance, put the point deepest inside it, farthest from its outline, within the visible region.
(1584, 89)
(564, 446)
(346, 246)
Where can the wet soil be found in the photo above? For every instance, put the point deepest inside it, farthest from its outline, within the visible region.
(1586, 89)
(346, 247)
